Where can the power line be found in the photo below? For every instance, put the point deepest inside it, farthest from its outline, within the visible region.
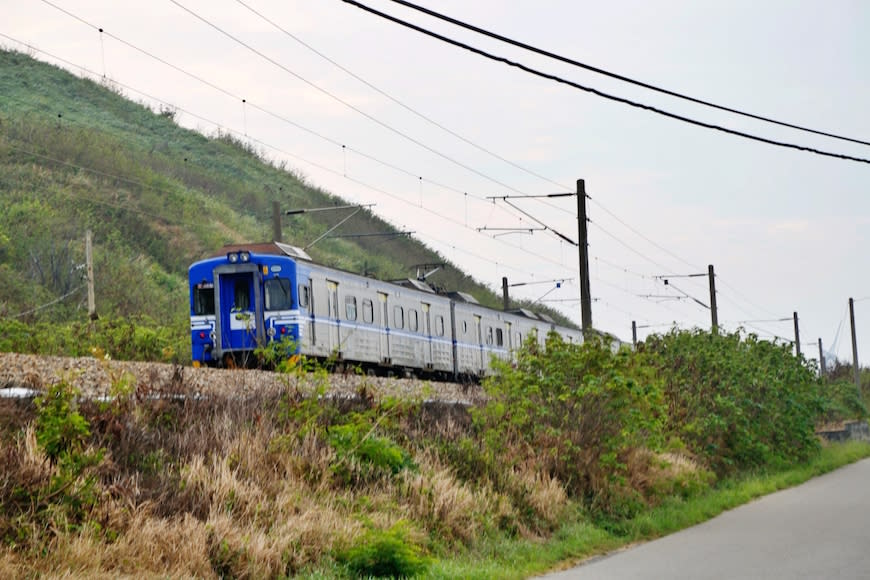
(600, 93)
(340, 100)
(47, 304)
(324, 168)
(397, 101)
(620, 77)
(379, 161)
(315, 133)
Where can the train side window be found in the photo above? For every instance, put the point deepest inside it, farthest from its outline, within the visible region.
(203, 299)
(350, 307)
(439, 325)
(519, 339)
(489, 335)
(278, 295)
(304, 298)
(413, 320)
(499, 337)
(368, 311)
(398, 317)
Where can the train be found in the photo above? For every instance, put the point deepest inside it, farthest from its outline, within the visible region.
(249, 296)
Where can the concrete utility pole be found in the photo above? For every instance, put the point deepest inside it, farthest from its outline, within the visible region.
(89, 264)
(822, 370)
(714, 311)
(854, 346)
(276, 222)
(797, 337)
(583, 250)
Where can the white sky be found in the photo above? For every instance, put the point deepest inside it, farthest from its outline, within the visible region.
(786, 230)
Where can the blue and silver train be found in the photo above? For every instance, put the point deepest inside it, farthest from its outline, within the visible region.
(252, 295)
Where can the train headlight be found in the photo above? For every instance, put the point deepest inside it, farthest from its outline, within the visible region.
(245, 256)
(232, 257)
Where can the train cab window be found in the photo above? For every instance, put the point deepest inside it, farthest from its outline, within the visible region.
(350, 307)
(464, 327)
(241, 296)
(203, 299)
(413, 320)
(489, 335)
(278, 296)
(499, 337)
(368, 311)
(398, 317)
(439, 325)
(304, 297)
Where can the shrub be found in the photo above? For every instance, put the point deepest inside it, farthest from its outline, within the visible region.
(571, 411)
(736, 402)
(385, 553)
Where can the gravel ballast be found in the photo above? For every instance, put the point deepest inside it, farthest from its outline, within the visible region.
(94, 378)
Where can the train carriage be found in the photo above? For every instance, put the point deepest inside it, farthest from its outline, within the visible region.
(255, 294)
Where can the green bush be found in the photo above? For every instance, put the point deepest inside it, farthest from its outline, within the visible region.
(571, 411)
(385, 553)
(843, 401)
(737, 402)
(363, 455)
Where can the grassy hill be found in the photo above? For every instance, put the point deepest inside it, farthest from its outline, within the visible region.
(78, 155)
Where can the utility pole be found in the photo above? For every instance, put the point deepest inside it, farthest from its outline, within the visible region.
(583, 250)
(634, 333)
(714, 311)
(504, 293)
(89, 264)
(822, 370)
(276, 222)
(854, 346)
(797, 337)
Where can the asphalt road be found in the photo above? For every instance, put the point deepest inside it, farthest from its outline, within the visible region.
(820, 529)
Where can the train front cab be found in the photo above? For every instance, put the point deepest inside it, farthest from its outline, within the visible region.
(239, 303)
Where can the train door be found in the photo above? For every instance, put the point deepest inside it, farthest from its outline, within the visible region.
(478, 336)
(334, 316)
(239, 324)
(427, 331)
(385, 326)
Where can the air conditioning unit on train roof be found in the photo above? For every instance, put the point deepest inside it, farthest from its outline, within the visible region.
(293, 251)
(415, 284)
(527, 313)
(462, 297)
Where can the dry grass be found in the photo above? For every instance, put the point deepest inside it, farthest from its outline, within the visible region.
(232, 487)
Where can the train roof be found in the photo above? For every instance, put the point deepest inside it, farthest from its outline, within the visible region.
(281, 249)
(271, 248)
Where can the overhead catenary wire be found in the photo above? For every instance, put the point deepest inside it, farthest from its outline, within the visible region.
(322, 167)
(48, 304)
(620, 77)
(308, 130)
(395, 100)
(599, 93)
(553, 262)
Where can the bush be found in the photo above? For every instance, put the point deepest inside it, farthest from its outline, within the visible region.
(573, 412)
(385, 553)
(737, 402)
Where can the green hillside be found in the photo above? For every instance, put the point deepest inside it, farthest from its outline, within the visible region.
(78, 155)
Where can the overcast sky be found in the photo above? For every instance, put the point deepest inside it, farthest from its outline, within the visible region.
(786, 230)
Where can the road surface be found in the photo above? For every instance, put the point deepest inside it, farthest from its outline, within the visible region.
(820, 529)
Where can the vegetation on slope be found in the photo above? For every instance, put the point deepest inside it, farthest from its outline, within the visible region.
(76, 155)
(576, 444)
